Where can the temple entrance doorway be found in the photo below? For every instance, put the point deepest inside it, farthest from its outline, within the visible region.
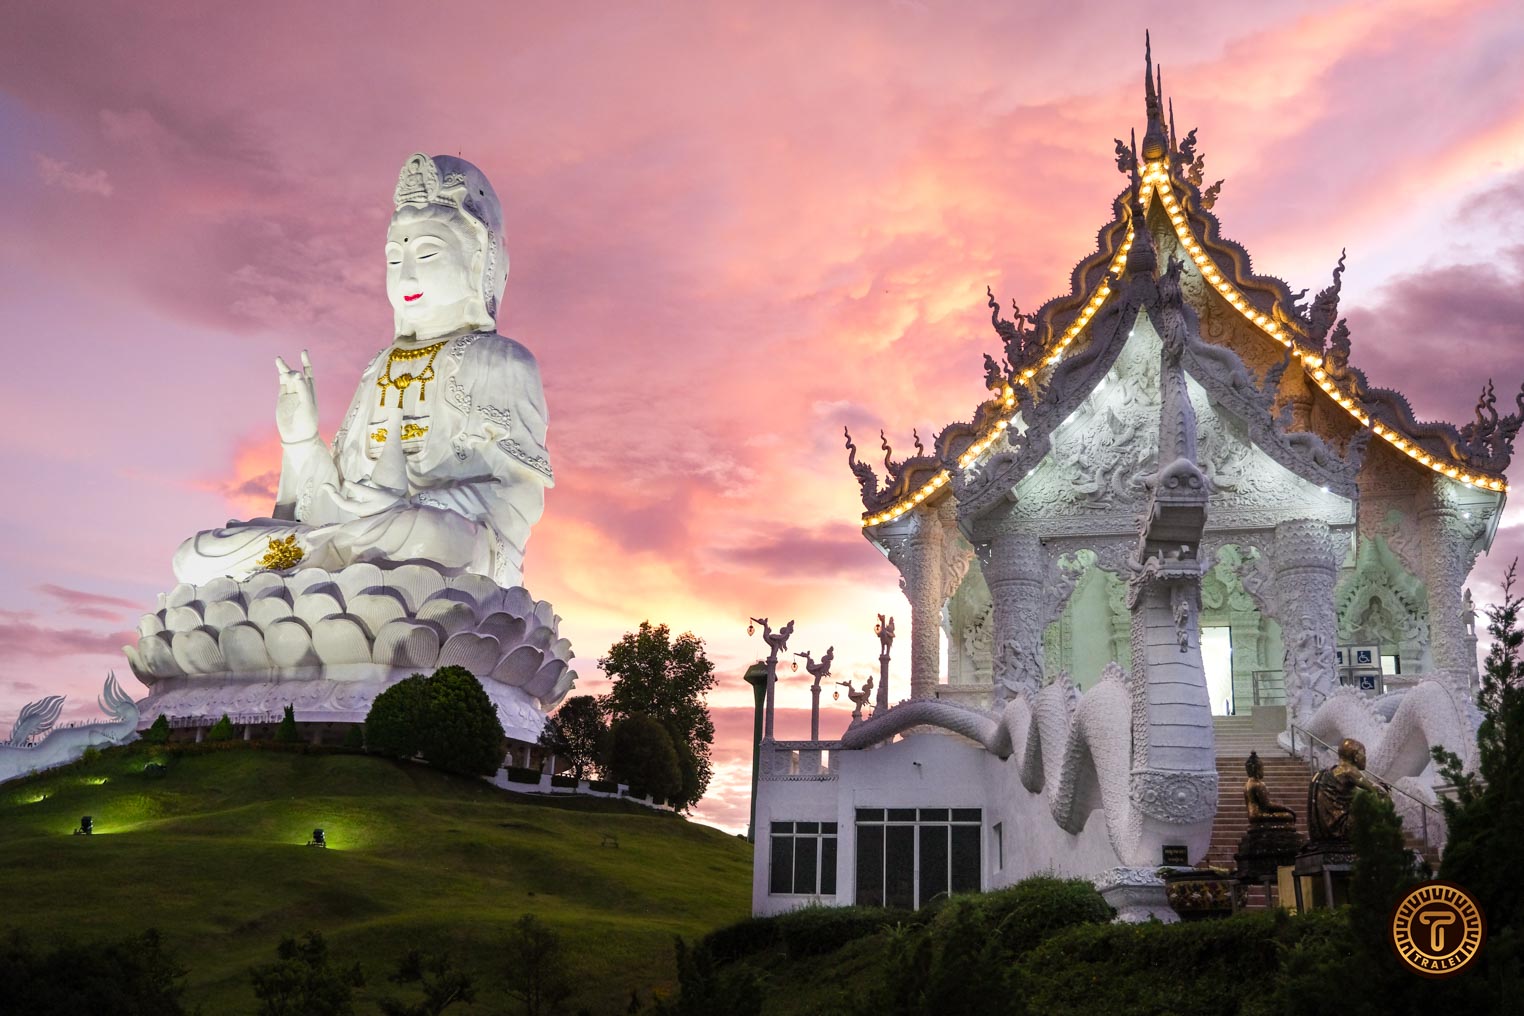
(1217, 663)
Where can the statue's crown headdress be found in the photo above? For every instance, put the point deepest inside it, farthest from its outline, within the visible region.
(455, 183)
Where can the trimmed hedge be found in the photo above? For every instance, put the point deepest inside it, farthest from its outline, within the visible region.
(1198, 967)
(808, 931)
(569, 782)
(603, 786)
(518, 774)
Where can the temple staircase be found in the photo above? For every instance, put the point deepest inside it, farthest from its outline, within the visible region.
(1286, 777)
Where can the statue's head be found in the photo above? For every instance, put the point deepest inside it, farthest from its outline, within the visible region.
(446, 264)
(1254, 767)
(1353, 752)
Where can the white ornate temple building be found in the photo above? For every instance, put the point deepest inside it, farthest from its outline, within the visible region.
(1180, 500)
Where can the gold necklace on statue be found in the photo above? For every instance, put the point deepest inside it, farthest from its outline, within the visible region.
(404, 381)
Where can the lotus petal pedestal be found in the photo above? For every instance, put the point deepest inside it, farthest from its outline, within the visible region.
(328, 643)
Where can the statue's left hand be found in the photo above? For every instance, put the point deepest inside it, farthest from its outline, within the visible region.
(296, 415)
(364, 498)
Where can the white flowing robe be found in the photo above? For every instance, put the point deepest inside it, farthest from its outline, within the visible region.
(477, 469)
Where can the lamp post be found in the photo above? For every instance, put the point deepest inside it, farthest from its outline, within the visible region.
(756, 676)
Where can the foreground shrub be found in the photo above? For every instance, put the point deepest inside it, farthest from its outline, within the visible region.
(157, 732)
(301, 981)
(133, 977)
(446, 718)
(286, 733)
(222, 730)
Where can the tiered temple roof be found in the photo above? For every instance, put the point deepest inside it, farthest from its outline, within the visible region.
(1165, 192)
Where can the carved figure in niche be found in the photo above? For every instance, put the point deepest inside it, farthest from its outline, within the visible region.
(1309, 667)
(442, 454)
(1468, 613)
(859, 698)
(1333, 788)
(1016, 666)
(1257, 796)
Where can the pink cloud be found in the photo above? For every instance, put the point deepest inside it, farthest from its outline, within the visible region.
(57, 173)
(733, 232)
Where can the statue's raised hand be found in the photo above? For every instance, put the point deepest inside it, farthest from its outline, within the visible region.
(296, 416)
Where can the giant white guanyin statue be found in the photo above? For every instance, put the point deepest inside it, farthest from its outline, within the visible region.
(441, 455)
(400, 547)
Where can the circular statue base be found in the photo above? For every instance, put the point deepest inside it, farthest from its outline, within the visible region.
(328, 642)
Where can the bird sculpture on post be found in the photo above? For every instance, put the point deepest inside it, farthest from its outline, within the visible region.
(818, 671)
(777, 642)
(859, 698)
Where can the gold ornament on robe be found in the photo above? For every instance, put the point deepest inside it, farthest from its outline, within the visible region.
(282, 554)
(404, 381)
(409, 432)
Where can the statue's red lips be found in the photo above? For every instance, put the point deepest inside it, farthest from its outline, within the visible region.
(410, 299)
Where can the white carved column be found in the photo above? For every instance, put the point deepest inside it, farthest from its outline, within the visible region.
(1013, 570)
(920, 563)
(1305, 567)
(1450, 546)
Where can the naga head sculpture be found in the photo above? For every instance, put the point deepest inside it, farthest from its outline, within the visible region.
(447, 264)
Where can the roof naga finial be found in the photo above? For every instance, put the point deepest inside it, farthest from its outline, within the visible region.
(1489, 440)
(890, 466)
(1155, 138)
(1013, 334)
(1325, 306)
(915, 437)
(1336, 353)
(1141, 258)
(866, 478)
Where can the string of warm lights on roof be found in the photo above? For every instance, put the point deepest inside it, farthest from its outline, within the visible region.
(1156, 180)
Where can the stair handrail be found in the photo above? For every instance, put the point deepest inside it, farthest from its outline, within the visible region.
(1315, 739)
(1256, 677)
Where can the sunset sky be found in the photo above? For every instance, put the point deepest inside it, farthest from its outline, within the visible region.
(733, 228)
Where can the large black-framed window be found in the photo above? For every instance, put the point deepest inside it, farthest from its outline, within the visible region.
(907, 857)
(803, 861)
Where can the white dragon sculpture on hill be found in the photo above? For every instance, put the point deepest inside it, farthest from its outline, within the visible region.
(37, 742)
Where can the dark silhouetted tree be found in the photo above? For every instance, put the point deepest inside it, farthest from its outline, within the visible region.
(641, 755)
(538, 973)
(301, 980)
(133, 977)
(158, 731)
(666, 679)
(442, 983)
(286, 732)
(578, 733)
(222, 730)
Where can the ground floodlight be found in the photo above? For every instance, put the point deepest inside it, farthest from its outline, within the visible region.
(317, 839)
(86, 826)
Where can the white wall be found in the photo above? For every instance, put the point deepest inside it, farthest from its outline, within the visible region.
(952, 773)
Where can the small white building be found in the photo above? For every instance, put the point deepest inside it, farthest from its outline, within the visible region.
(1181, 499)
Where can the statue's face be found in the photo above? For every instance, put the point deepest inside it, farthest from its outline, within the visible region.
(431, 271)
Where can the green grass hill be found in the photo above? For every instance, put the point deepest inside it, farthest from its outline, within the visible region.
(212, 854)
